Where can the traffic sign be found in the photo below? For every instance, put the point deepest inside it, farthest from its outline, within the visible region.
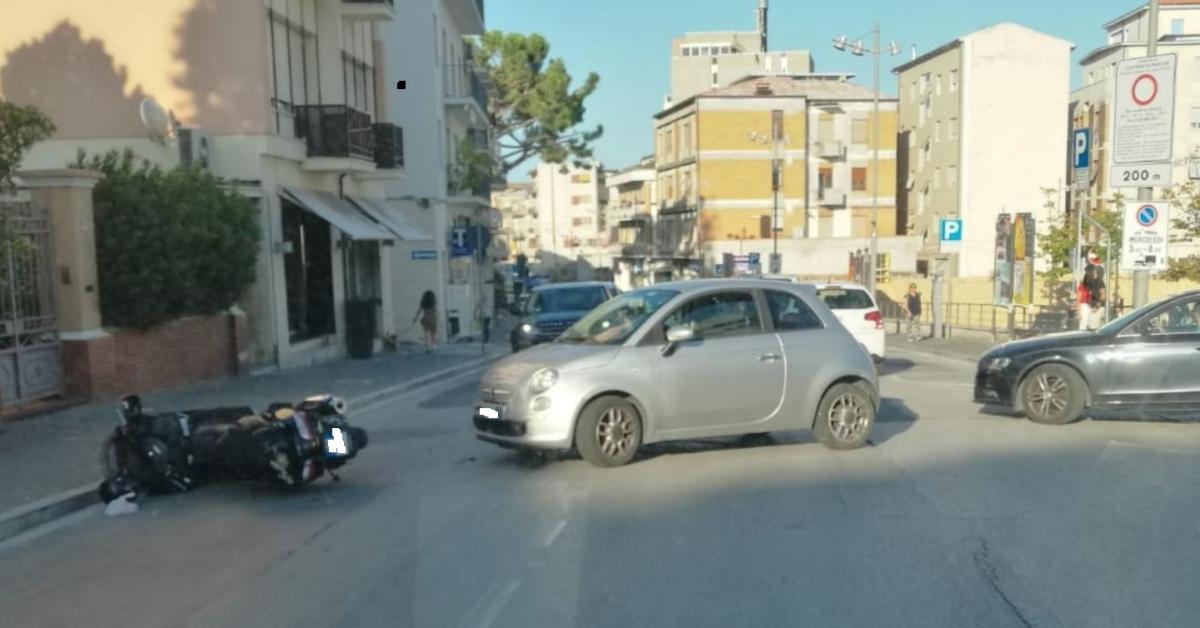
(424, 255)
(1081, 153)
(950, 235)
(1144, 238)
(1140, 175)
(1144, 121)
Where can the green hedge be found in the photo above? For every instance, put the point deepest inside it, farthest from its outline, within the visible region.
(169, 243)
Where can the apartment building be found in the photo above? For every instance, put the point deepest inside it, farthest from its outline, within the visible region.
(629, 218)
(1092, 102)
(570, 199)
(973, 144)
(707, 60)
(517, 204)
(785, 156)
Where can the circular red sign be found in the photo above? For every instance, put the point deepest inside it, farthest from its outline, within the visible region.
(1153, 89)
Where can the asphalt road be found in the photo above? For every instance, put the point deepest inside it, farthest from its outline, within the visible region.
(953, 518)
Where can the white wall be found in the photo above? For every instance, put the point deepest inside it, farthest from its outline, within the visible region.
(1013, 144)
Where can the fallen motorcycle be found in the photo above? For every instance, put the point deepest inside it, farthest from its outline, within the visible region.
(288, 444)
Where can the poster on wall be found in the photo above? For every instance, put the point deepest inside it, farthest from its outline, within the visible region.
(1024, 233)
(1002, 282)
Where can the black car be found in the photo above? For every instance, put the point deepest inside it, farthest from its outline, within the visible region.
(1148, 359)
(552, 308)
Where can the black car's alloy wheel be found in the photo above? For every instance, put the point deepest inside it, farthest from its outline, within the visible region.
(1053, 394)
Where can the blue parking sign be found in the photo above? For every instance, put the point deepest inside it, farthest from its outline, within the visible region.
(1081, 148)
(951, 230)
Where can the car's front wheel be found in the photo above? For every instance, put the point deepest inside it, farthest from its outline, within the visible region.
(845, 417)
(1053, 394)
(609, 432)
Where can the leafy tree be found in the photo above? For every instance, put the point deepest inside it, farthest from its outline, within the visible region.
(1057, 242)
(531, 107)
(169, 243)
(20, 128)
(1185, 210)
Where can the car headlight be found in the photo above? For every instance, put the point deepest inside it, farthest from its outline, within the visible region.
(527, 328)
(998, 364)
(542, 380)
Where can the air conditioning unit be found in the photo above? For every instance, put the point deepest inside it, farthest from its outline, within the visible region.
(195, 148)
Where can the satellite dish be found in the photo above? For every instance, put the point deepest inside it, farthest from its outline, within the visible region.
(155, 119)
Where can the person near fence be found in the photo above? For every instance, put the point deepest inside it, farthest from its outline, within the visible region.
(912, 311)
(1091, 294)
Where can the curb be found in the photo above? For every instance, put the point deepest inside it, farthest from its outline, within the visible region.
(933, 352)
(47, 509)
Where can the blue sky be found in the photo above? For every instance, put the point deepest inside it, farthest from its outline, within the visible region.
(628, 42)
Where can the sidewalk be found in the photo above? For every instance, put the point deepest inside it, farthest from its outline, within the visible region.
(52, 453)
(960, 347)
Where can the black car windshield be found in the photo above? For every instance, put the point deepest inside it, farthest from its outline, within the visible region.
(616, 320)
(1117, 324)
(580, 299)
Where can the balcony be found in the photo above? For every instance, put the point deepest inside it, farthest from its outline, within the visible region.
(467, 15)
(465, 90)
(337, 137)
(831, 150)
(389, 146)
(831, 197)
(368, 10)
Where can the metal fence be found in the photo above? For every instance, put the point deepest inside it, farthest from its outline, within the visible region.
(30, 353)
(986, 317)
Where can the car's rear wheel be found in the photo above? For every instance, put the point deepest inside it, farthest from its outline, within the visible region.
(1053, 394)
(845, 417)
(609, 432)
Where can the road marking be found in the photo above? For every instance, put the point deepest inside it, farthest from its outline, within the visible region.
(488, 608)
(553, 536)
(445, 383)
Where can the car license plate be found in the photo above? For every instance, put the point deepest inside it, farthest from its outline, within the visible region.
(488, 412)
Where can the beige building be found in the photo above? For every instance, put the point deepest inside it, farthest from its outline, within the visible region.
(973, 145)
(569, 203)
(1092, 102)
(708, 60)
(292, 101)
(629, 219)
(517, 205)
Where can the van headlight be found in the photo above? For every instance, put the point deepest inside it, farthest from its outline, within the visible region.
(542, 380)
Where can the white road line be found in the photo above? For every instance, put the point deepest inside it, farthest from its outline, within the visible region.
(488, 608)
(423, 389)
(553, 536)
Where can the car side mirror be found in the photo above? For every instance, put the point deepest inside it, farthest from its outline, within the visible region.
(680, 333)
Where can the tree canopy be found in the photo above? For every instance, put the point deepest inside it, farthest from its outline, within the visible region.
(20, 128)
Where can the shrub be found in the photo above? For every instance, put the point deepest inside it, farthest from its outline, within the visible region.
(169, 243)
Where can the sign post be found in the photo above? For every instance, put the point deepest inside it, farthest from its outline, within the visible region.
(1144, 238)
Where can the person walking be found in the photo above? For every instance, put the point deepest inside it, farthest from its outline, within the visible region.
(427, 313)
(1093, 282)
(912, 308)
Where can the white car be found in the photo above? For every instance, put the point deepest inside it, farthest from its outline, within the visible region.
(858, 312)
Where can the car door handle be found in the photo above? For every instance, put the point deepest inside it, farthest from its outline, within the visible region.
(769, 357)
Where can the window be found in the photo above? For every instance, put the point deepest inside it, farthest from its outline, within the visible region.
(687, 51)
(825, 129)
(937, 178)
(858, 130)
(715, 75)
(951, 176)
(912, 92)
(924, 83)
(777, 124)
(1180, 318)
(938, 85)
(293, 64)
(1196, 118)
(583, 177)
(669, 144)
(953, 80)
(845, 299)
(579, 200)
(357, 67)
(937, 131)
(858, 179)
(825, 177)
(1177, 27)
(953, 128)
(783, 62)
(718, 315)
(685, 139)
(790, 313)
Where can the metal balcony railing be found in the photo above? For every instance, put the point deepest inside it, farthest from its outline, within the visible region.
(389, 146)
(335, 131)
(463, 82)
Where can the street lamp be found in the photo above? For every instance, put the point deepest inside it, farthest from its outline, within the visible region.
(857, 49)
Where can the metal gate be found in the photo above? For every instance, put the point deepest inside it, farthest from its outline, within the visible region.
(30, 351)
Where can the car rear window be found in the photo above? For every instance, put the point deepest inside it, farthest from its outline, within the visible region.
(845, 298)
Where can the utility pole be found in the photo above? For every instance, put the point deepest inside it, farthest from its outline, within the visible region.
(1141, 278)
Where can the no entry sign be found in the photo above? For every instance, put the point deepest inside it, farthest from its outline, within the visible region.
(1145, 111)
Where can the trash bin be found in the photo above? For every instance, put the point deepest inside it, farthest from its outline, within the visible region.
(360, 328)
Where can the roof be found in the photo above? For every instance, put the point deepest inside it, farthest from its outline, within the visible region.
(1145, 7)
(951, 45)
(835, 87)
(958, 41)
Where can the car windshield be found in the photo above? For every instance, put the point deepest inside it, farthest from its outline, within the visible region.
(845, 299)
(616, 320)
(1119, 323)
(579, 299)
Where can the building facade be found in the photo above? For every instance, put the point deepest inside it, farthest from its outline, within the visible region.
(709, 60)
(517, 205)
(630, 217)
(973, 146)
(790, 157)
(293, 102)
(1092, 102)
(570, 199)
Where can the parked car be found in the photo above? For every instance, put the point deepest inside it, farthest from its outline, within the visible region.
(684, 360)
(1146, 359)
(856, 308)
(552, 308)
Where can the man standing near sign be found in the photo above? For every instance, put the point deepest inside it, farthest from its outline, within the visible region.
(1091, 293)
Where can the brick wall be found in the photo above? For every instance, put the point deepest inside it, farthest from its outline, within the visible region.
(173, 354)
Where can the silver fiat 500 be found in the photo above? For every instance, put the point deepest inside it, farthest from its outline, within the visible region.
(684, 360)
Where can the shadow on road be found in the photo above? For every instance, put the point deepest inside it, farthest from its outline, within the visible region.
(892, 366)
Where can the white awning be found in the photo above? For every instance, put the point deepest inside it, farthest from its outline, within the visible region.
(338, 213)
(392, 219)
